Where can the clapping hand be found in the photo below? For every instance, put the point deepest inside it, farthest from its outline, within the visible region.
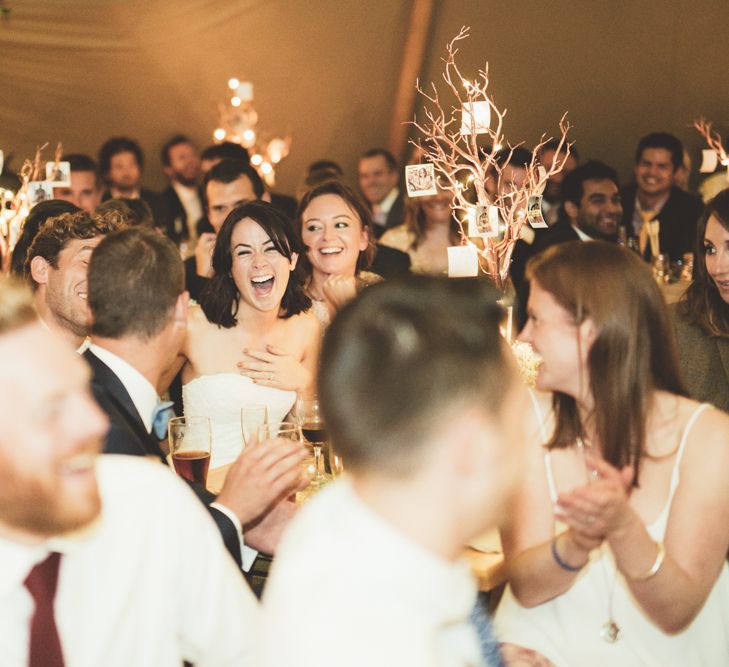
(275, 367)
(601, 508)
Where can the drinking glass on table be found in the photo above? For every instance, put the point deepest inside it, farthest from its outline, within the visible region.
(308, 414)
(251, 418)
(190, 442)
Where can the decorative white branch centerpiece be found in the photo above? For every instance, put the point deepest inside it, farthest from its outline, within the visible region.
(463, 139)
(715, 154)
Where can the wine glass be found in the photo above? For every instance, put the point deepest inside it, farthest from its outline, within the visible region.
(251, 418)
(308, 414)
(336, 463)
(190, 442)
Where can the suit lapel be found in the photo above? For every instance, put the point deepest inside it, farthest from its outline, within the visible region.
(106, 381)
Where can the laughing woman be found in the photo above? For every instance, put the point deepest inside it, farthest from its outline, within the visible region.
(336, 230)
(254, 310)
(616, 550)
(701, 318)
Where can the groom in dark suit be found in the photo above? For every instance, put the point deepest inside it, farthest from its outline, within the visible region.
(139, 309)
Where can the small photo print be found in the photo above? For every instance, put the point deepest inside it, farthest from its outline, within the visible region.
(39, 191)
(534, 212)
(59, 173)
(420, 180)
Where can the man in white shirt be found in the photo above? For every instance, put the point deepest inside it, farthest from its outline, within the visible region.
(422, 402)
(139, 308)
(181, 164)
(57, 264)
(378, 176)
(142, 578)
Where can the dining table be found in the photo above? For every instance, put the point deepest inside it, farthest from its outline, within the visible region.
(483, 554)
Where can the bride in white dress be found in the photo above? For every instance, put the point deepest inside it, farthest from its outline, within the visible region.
(253, 340)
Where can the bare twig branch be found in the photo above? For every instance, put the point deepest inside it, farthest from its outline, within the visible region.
(471, 162)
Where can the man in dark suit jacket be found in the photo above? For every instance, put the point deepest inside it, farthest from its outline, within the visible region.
(653, 196)
(183, 197)
(139, 318)
(378, 181)
(592, 211)
(121, 162)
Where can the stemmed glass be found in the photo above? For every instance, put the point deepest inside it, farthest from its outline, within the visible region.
(251, 418)
(308, 415)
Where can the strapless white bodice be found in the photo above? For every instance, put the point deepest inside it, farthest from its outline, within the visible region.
(221, 397)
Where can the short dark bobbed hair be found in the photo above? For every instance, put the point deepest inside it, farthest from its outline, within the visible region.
(399, 357)
(220, 299)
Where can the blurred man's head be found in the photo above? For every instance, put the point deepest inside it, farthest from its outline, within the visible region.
(52, 429)
(227, 150)
(181, 161)
(57, 267)
(85, 190)
(415, 379)
(121, 162)
(547, 154)
(591, 195)
(513, 164)
(228, 184)
(136, 289)
(378, 175)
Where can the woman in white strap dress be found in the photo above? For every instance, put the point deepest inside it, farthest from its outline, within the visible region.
(253, 340)
(617, 545)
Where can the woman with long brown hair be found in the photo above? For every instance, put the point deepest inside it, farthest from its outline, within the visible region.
(701, 318)
(617, 543)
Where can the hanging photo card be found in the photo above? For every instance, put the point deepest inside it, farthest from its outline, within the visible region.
(59, 173)
(534, 212)
(483, 221)
(2, 161)
(709, 161)
(478, 113)
(462, 261)
(420, 180)
(39, 191)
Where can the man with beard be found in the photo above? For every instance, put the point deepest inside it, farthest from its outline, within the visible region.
(56, 266)
(181, 164)
(107, 560)
(593, 209)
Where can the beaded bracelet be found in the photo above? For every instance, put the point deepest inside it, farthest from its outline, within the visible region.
(660, 556)
(560, 562)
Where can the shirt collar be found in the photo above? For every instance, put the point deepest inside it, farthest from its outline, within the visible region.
(581, 234)
(387, 203)
(140, 389)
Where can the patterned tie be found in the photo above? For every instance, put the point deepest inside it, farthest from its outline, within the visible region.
(161, 416)
(45, 644)
(648, 232)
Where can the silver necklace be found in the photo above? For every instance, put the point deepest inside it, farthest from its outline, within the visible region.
(610, 630)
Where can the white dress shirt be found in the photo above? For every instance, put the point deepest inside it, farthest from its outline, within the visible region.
(346, 588)
(147, 584)
(190, 200)
(145, 398)
(382, 210)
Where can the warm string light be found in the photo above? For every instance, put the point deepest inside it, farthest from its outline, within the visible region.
(466, 162)
(238, 124)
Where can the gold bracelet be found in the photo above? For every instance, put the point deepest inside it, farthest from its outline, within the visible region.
(660, 556)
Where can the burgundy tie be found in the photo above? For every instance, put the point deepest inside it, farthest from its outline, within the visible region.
(45, 645)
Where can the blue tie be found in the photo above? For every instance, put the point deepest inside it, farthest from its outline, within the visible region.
(161, 415)
(489, 646)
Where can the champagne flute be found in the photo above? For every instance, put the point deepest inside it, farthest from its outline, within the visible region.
(190, 443)
(251, 418)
